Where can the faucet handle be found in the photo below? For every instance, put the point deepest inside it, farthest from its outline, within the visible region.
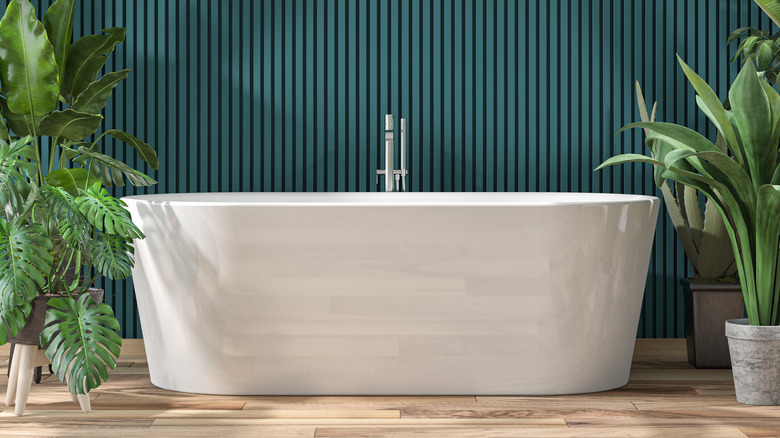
(379, 172)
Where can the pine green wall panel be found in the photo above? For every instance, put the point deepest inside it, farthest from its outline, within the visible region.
(501, 95)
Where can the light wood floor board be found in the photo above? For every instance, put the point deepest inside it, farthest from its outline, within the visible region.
(665, 397)
(641, 432)
(756, 432)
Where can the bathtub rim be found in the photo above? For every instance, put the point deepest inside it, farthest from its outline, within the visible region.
(395, 199)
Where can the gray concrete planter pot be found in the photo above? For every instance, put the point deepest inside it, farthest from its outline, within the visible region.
(755, 355)
(707, 307)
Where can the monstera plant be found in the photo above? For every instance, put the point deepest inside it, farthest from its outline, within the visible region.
(60, 229)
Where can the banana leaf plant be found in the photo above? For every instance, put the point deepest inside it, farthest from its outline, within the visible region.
(702, 233)
(58, 217)
(744, 185)
(772, 9)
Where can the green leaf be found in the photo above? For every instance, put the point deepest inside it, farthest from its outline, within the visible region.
(70, 124)
(74, 229)
(767, 240)
(28, 69)
(737, 34)
(753, 119)
(18, 159)
(112, 256)
(680, 222)
(733, 177)
(87, 56)
(101, 165)
(19, 124)
(4, 133)
(714, 110)
(18, 162)
(95, 97)
(716, 257)
(772, 9)
(83, 341)
(106, 213)
(765, 54)
(680, 136)
(71, 180)
(24, 261)
(12, 320)
(749, 47)
(629, 158)
(145, 152)
(774, 104)
(692, 212)
(58, 21)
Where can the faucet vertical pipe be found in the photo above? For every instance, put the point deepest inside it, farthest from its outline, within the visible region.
(403, 155)
(389, 126)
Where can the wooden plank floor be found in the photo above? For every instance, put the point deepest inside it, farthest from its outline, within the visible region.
(664, 397)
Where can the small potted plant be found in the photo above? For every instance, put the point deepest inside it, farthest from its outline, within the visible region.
(713, 294)
(744, 185)
(60, 229)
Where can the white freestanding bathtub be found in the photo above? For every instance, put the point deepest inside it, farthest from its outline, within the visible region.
(391, 293)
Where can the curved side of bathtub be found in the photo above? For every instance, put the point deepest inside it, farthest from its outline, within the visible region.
(295, 298)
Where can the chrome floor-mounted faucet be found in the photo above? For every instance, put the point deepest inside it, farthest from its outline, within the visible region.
(398, 175)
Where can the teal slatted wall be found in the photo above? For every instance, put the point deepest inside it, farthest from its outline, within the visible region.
(501, 95)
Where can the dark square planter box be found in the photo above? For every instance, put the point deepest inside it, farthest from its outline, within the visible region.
(707, 307)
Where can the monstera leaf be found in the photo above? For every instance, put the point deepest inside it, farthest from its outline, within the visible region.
(106, 213)
(17, 163)
(12, 320)
(25, 261)
(82, 341)
(74, 229)
(112, 256)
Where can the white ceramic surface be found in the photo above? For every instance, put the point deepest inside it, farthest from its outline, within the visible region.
(391, 293)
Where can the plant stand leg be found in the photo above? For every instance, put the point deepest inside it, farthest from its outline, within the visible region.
(84, 402)
(82, 399)
(26, 367)
(10, 360)
(13, 376)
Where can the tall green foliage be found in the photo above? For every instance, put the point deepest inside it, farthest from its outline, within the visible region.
(702, 234)
(62, 219)
(743, 186)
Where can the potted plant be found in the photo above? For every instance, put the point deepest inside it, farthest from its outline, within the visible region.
(713, 294)
(744, 187)
(60, 229)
